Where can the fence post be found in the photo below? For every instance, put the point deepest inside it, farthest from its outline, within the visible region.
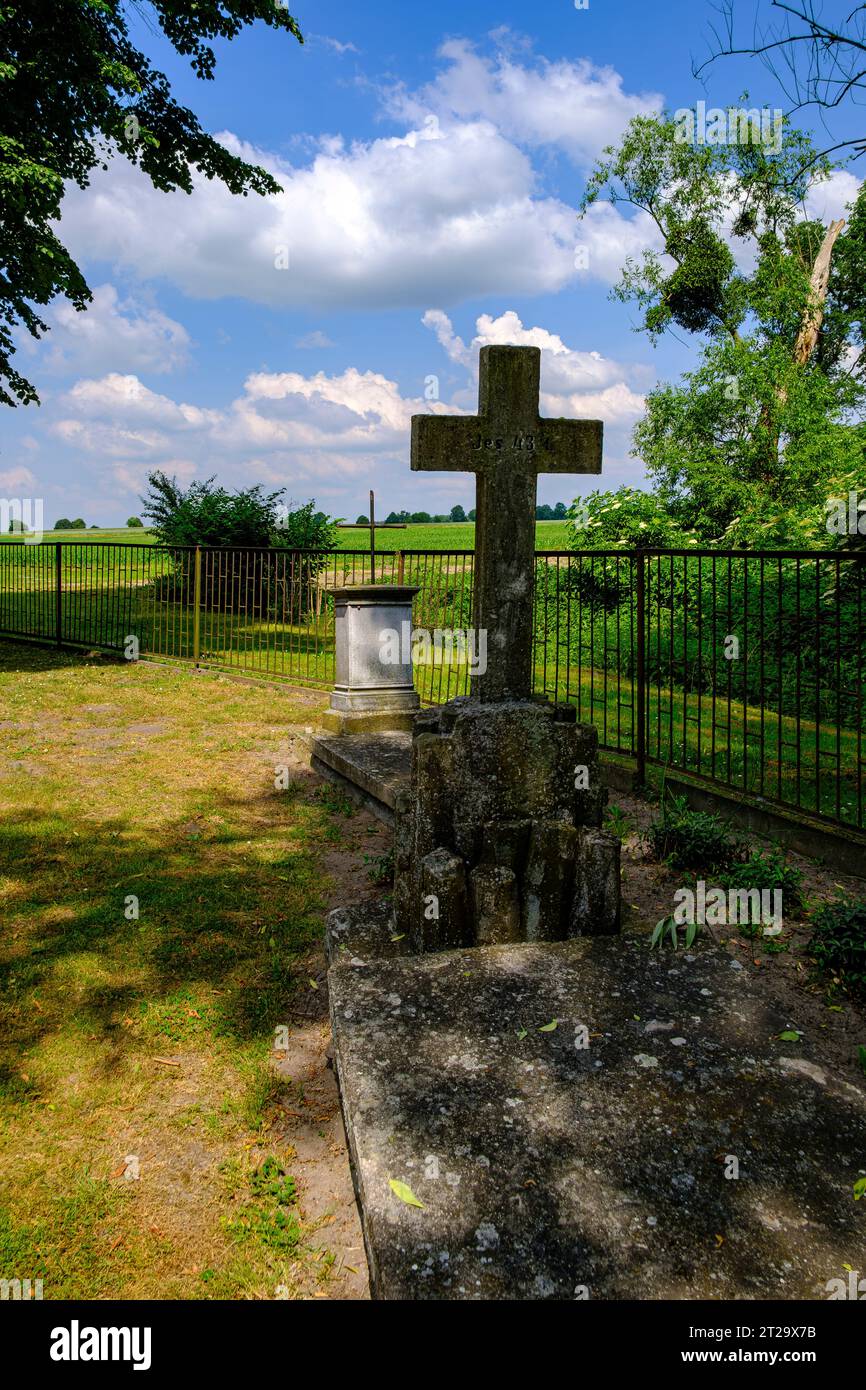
(640, 694)
(58, 603)
(196, 617)
(401, 560)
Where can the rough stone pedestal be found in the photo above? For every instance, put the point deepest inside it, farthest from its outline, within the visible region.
(499, 838)
(373, 689)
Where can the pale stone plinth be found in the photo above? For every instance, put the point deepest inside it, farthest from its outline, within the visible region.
(373, 688)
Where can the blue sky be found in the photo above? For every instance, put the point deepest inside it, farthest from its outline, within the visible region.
(432, 158)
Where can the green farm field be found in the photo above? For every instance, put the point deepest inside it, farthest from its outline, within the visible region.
(549, 535)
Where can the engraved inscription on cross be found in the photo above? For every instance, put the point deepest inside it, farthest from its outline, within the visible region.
(506, 445)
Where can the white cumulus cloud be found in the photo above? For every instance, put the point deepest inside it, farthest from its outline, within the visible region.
(114, 334)
(574, 382)
(575, 106)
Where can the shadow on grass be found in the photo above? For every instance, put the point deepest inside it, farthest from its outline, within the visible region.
(214, 909)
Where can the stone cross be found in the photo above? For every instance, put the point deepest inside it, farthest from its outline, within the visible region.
(506, 445)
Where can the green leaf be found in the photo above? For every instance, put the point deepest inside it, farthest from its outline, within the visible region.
(658, 929)
(549, 1027)
(521, 1033)
(691, 933)
(861, 1057)
(404, 1193)
(859, 1189)
(788, 1037)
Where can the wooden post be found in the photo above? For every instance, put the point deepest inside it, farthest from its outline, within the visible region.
(374, 527)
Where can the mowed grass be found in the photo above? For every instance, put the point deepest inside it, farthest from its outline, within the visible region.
(159, 901)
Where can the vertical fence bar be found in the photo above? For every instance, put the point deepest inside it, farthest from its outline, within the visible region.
(640, 626)
(58, 593)
(196, 617)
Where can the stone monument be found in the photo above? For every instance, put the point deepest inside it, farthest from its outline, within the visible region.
(371, 692)
(498, 837)
(509, 1107)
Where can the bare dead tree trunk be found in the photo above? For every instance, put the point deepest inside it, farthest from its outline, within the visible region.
(813, 314)
(807, 338)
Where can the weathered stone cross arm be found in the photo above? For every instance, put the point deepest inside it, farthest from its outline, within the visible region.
(506, 445)
(462, 444)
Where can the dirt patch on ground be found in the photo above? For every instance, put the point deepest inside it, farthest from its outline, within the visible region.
(833, 1022)
(312, 1120)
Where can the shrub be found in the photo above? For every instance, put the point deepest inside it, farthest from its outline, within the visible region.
(305, 529)
(838, 942)
(249, 519)
(134, 521)
(767, 869)
(687, 839)
(203, 514)
(381, 868)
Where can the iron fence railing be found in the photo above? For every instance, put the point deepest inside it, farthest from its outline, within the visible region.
(745, 669)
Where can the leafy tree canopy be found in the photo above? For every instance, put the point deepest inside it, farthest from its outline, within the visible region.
(74, 89)
(748, 443)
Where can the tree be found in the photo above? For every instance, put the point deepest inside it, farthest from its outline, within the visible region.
(543, 512)
(64, 524)
(363, 521)
(771, 412)
(420, 518)
(560, 512)
(471, 515)
(74, 90)
(79, 524)
(134, 521)
(457, 513)
(816, 61)
(627, 518)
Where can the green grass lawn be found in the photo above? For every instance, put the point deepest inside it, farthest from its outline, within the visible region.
(134, 787)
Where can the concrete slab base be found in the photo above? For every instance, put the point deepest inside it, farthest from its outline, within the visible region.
(658, 1142)
(350, 722)
(376, 764)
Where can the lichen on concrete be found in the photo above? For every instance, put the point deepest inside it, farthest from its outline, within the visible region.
(567, 1115)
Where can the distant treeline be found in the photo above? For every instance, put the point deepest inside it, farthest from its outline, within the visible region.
(79, 524)
(543, 513)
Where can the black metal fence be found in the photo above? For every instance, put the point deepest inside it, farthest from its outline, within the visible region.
(745, 669)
